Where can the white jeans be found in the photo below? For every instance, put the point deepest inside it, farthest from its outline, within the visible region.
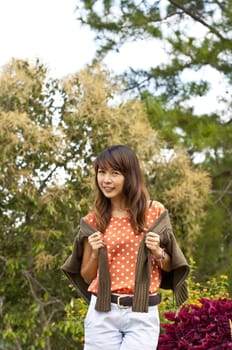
(121, 329)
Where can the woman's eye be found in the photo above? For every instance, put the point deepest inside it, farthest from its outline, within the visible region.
(100, 171)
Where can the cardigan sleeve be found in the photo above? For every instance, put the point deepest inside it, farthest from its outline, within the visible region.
(176, 278)
(72, 266)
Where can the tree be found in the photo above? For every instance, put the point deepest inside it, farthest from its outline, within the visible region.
(36, 211)
(50, 133)
(194, 35)
(196, 39)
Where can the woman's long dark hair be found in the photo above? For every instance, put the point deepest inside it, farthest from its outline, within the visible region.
(123, 159)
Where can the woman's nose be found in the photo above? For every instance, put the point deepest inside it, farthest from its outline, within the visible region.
(107, 177)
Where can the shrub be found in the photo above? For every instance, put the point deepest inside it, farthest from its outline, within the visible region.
(199, 327)
(215, 288)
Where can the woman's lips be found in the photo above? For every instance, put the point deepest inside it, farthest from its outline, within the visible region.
(108, 189)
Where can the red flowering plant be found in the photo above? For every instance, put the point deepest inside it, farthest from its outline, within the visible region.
(199, 327)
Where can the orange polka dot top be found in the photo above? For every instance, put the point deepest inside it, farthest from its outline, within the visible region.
(122, 249)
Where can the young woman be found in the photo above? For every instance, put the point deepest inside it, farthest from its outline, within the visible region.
(124, 252)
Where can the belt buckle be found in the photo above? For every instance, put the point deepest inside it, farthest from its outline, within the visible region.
(118, 303)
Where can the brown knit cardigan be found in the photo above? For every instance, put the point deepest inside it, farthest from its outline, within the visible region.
(174, 280)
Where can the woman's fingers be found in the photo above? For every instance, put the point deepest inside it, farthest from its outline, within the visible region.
(152, 241)
(96, 240)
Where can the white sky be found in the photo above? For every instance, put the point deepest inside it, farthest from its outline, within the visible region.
(45, 29)
(48, 30)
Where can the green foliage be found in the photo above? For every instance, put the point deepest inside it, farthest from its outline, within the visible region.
(115, 23)
(184, 192)
(73, 323)
(206, 140)
(176, 23)
(39, 216)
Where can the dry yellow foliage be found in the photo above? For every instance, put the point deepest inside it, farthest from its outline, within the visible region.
(44, 261)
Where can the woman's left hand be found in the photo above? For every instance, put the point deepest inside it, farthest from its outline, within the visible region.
(152, 241)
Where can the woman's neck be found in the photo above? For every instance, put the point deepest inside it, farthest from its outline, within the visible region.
(118, 205)
(119, 209)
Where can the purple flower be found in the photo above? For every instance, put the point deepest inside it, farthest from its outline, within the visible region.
(204, 327)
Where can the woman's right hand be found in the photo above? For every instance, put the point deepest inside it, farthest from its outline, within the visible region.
(89, 264)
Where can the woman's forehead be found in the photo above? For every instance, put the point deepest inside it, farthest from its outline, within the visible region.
(107, 167)
(107, 164)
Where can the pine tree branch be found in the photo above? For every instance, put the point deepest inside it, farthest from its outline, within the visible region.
(224, 192)
(222, 7)
(197, 18)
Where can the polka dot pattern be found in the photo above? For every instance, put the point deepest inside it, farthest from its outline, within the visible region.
(122, 249)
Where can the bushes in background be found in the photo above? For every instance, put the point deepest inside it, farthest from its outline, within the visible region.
(201, 327)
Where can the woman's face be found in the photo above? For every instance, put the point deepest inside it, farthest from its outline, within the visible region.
(111, 183)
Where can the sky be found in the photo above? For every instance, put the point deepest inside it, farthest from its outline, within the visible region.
(45, 29)
(49, 30)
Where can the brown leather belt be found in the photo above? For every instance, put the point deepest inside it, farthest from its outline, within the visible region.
(126, 301)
